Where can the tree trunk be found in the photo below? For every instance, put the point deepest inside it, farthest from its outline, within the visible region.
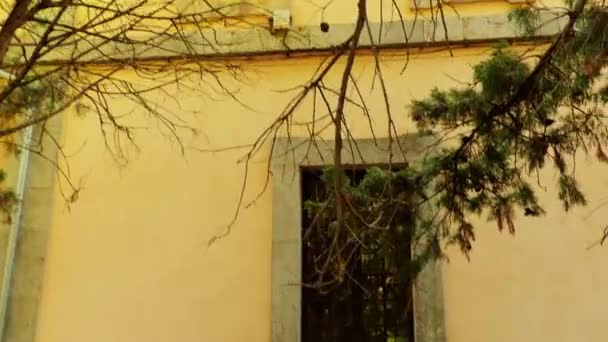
(16, 18)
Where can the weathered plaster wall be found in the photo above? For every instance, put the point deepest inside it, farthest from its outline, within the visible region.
(130, 262)
(546, 283)
(24, 282)
(32, 244)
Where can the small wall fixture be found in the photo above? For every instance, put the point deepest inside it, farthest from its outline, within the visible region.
(280, 20)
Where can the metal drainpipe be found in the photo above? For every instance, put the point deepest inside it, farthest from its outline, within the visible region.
(11, 247)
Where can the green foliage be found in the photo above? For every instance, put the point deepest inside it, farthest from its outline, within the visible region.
(381, 216)
(381, 223)
(569, 192)
(8, 199)
(43, 95)
(34, 95)
(527, 19)
(513, 123)
(500, 76)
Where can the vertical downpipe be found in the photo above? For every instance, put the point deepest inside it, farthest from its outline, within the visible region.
(13, 238)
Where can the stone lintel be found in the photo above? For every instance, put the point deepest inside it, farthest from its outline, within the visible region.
(220, 43)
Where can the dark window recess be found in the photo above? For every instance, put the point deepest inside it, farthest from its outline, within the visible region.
(368, 306)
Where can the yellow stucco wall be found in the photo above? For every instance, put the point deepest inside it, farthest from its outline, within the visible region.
(547, 283)
(129, 261)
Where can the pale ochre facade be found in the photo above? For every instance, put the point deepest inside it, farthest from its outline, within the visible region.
(129, 261)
